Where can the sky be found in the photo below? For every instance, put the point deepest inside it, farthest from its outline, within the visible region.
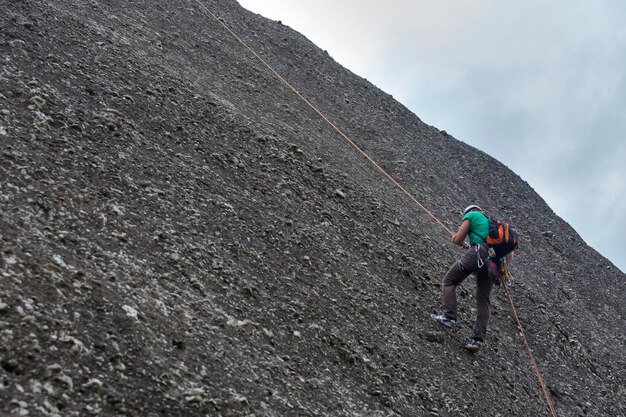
(540, 86)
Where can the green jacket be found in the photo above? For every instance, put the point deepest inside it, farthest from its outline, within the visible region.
(479, 227)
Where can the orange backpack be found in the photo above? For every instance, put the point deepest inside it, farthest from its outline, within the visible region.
(502, 238)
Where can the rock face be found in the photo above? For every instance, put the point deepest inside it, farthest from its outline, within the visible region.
(181, 236)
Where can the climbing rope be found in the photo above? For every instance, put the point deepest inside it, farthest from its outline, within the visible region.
(221, 22)
(546, 393)
(323, 116)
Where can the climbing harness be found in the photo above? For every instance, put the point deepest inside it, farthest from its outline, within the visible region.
(220, 21)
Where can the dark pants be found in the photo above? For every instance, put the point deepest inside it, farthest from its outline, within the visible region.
(467, 264)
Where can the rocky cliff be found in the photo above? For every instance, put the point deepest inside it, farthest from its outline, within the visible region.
(181, 236)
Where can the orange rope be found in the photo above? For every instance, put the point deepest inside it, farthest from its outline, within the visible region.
(546, 394)
(393, 180)
(326, 119)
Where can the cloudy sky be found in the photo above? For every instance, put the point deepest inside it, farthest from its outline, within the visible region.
(541, 86)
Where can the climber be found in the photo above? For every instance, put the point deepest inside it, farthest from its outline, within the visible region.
(475, 259)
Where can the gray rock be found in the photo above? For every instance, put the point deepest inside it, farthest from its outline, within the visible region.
(181, 235)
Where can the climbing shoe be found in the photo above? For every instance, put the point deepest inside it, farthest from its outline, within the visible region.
(443, 320)
(474, 346)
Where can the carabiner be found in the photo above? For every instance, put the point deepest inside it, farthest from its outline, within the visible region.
(479, 260)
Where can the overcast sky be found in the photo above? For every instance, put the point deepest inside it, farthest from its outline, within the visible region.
(540, 86)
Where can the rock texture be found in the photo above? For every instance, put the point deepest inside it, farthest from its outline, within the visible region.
(181, 236)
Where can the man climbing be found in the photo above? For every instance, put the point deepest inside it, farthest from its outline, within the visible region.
(475, 259)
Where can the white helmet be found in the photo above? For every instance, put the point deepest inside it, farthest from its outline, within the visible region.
(471, 207)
